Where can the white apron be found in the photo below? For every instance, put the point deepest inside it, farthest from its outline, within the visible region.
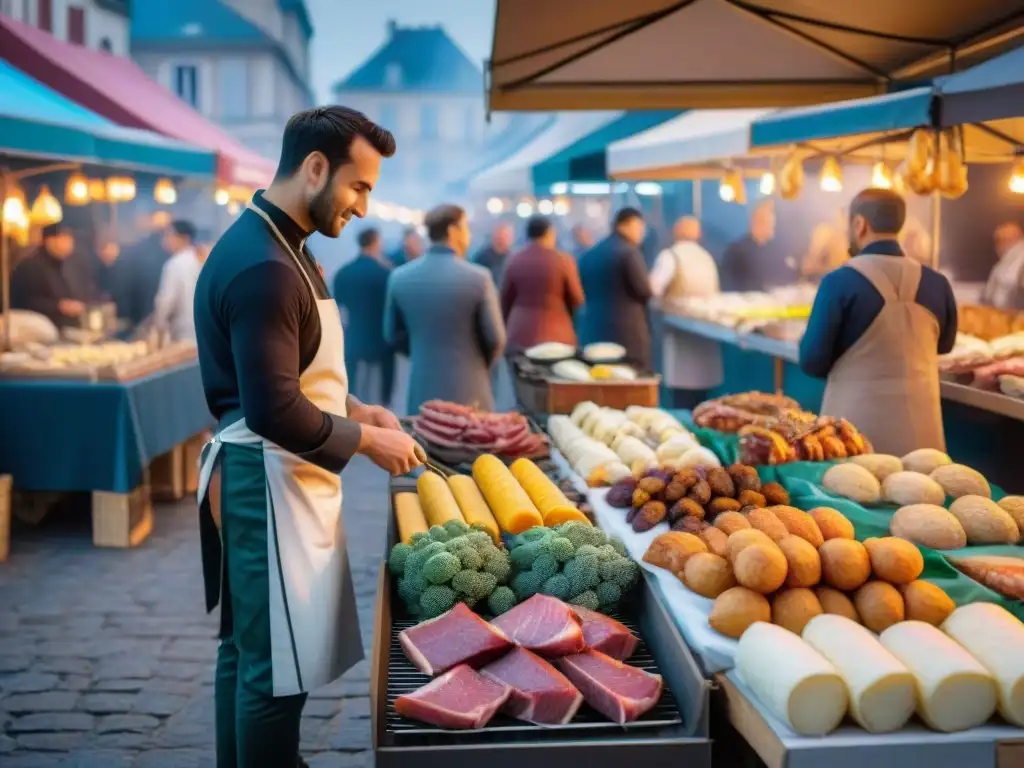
(312, 602)
(690, 361)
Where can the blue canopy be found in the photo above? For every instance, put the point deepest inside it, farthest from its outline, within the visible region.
(893, 112)
(990, 91)
(40, 123)
(586, 159)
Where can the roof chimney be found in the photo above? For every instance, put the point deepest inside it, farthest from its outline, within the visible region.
(392, 27)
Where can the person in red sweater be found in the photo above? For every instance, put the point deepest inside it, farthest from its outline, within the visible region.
(540, 290)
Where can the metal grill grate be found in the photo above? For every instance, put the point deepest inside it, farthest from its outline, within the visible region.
(404, 678)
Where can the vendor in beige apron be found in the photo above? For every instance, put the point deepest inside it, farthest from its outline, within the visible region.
(887, 383)
(272, 357)
(691, 364)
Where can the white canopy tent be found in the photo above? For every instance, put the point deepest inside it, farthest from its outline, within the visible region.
(512, 176)
(693, 145)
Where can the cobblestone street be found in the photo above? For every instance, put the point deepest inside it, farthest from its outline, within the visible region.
(106, 656)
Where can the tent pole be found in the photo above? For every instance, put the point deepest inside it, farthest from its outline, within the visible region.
(936, 227)
(696, 198)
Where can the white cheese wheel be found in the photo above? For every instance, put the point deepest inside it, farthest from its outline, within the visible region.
(995, 637)
(954, 691)
(791, 679)
(881, 689)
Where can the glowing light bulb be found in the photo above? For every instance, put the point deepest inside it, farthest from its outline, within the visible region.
(15, 211)
(523, 210)
(495, 206)
(1017, 178)
(767, 185)
(46, 209)
(561, 207)
(164, 192)
(881, 176)
(831, 177)
(726, 192)
(545, 207)
(98, 190)
(76, 191)
(221, 197)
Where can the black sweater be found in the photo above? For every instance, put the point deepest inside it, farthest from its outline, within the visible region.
(258, 329)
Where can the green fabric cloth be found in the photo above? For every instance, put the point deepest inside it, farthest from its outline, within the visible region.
(253, 727)
(803, 481)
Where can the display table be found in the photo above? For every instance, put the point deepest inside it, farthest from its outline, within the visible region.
(61, 436)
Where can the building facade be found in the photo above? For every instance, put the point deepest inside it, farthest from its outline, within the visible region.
(421, 86)
(99, 24)
(241, 63)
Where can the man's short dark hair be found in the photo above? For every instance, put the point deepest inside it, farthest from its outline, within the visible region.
(626, 215)
(537, 227)
(368, 238)
(330, 130)
(440, 219)
(184, 228)
(54, 230)
(884, 211)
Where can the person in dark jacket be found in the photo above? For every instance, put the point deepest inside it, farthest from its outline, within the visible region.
(877, 327)
(410, 250)
(540, 290)
(143, 264)
(53, 281)
(495, 253)
(360, 288)
(614, 278)
(746, 261)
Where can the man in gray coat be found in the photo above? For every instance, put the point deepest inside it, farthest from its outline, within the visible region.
(445, 311)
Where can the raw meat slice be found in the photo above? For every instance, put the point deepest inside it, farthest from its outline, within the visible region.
(460, 698)
(605, 634)
(540, 693)
(544, 625)
(618, 691)
(456, 637)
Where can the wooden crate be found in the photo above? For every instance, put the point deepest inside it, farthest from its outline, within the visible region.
(167, 475)
(122, 519)
(560, 396)
(5, 516)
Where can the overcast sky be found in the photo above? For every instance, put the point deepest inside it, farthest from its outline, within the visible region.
(348, 32)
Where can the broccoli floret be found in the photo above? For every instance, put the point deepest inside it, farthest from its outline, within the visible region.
(498, 566)
(455, 527)
(526, 584)
(594, 535)
(588, 550)
(536, 533)
(409, 592)
(436, 599)
(468, 601)
(479, 539)
(587, 599)
(559, 548)
(470, 559)
(582, 573)
(619, 547)
(557, 586)
(608, 593)
(607, 552)
(416, 538)
(501, 600)
(545, 566)
(440, 568)
(524, 555)
(474, 583)
(575, 532)
(396, 560)
(622, 571)
(438, 533)
(420, 555)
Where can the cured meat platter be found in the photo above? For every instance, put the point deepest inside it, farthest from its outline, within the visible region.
(675, 729)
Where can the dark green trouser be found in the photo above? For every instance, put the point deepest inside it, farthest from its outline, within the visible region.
(255, 729)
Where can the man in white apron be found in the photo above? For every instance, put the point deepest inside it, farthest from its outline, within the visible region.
(691, 365)
(272, 357)
(876, 330)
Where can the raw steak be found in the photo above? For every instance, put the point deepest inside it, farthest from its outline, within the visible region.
(618, 691)
(544, 625)
(460, 698)
(540, 693)
(605, 634)
(456, 637)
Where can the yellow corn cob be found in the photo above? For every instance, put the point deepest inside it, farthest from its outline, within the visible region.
(553, 505)
(508, 501)
(436, 498)
(409, 516)
(474, 507)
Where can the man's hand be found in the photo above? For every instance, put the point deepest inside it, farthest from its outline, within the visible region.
(374, 416)
(70, 307)
(390, 449)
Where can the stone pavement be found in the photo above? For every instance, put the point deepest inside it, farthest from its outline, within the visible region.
(106, 656)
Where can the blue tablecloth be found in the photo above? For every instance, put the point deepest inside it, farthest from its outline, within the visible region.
(80, 436)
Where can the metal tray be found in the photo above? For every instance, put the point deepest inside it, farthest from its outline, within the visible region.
(675, 730)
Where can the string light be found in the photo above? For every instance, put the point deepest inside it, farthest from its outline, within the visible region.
(561, 207)
(881, 176)
(221, 197)
(76, 191)
(495, 206)
(831, 177)
(545, 207)
(15, 209)
(98, 190)
(120, 189)
(164, 192)
(1017, 178)
(523, 210)
(46, 209)
(767, 185)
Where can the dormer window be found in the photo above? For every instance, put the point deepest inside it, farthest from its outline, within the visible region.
(393, 75)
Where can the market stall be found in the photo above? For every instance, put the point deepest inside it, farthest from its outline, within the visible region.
(810, 656)
(81, 413)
